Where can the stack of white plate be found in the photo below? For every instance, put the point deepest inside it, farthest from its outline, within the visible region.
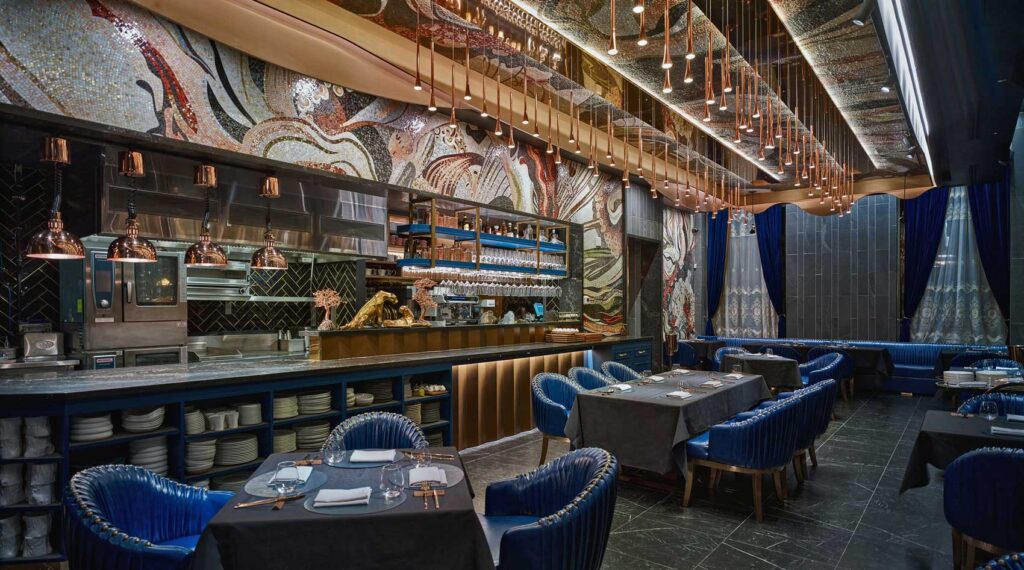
(954, 377)
(91, 428)
(350, 397)
(286, 407)
(435, 439)
(236, 449)
(991, 376)
(230, 482)
(311, 436)
(415, 413)
(149, 453)
(249, 414)
(407, 389)
(314, 403)
(381, 391)
(431, 412)
(284, 441)
(363, 399)
(199, 456)
(195, 422)
(142, 420)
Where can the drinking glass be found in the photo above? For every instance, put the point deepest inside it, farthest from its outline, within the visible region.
(286, 479)
(334, 453)
(768, 351)
(989, 410)
(646, 375)
(392, 480)
(737, 369)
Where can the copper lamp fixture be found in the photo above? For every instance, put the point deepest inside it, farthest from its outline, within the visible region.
(638, 6)
(130, 247)
(55, 242)
(268, 257)
(204, 253)
(613, 46)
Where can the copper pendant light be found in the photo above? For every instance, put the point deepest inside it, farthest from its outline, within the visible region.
(418, 85)
(613, 45)
(268, 257)
(204, 253)
(55, 242)
(130, 247)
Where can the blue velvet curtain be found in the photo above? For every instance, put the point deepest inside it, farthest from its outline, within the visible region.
(718, 236)
(769, 244)
(924, 217)
(990, 217)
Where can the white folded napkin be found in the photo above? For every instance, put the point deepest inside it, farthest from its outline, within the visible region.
(427, 475)
(679, 394)
(996, 430)
(1014, 418)
(622, 387)
(734, 375)
(367, 456)
(713, 384)
(342, 497)
(656, 378)
(304, 473)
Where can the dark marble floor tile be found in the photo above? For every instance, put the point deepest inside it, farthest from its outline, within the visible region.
(633, 501)
(834, 495)
(731, 556)
(663, 541)
(916, 516)
(845, 452)
(615, 560)
(870, 549)
(788, 536)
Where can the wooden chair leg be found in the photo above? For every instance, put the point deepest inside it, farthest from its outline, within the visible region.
(780, 493)
(958, 544)
(718, 477)
(758, 510)
(543, 449)
(796, 469)
(969, 552)
(814, 456)
(785, 484)
(842, 391)
(711, 478)
(853, 383)
(689, 484)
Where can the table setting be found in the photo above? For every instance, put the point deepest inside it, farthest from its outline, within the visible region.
(778, 371)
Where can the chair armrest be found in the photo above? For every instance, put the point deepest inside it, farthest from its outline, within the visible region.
(215, 501)
(784, 395)
(503, 499)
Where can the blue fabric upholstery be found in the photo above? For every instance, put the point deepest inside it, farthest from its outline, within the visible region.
(697, 447)
(721, 352)
(786, 352)
(573, 498)
(378, 430)
(553, 397)
(765, 440)
(1013, 561)
(989, 363)
(496, 527)
(590, 378)
(969, 358)
(817, 411)
(1007, 402)
(685, 355)
(620, 372)
(828, 366)
(123, 517)
(982, 496)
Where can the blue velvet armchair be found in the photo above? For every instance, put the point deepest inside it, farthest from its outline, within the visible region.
(982, 498)
(555, 518)
(1013, 561)
(968, 358)
(553, 397)
(123, 517)
(720, 354)
(378, 430)
(756, 443)
(1007, 402)
(786, 352)
(990, 363)
(819, 400)
(590, 378)
(620, 372)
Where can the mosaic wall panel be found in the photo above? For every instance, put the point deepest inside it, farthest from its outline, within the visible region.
(114, 63)
(681, 292)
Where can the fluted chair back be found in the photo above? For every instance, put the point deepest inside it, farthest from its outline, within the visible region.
(990, 363)
(968, 358)
(378, 430)
(685, 355)
(816, 411)
(574, 496)
(817, 351)
(786, 352)
(553, 397)
(123, 517)
(828, 366)
(1006, 402)
(620, 372)
(590, 378)
(982, 496)
(721, 352)
(762, 441)
(1014, 561)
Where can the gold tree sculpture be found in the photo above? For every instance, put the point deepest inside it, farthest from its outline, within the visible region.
(328, 299)
(422, 296)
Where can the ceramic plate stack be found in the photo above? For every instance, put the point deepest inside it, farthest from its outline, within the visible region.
(415, 413)
(236, 449)
(142, 420)
(954, 377)
(311, 436)
(231, 482)
(91, 428)
(991, 376)
(195, 422)
(407, 389)
(381, 391)
(431, 412)
(149, 453)
(363, 399)
(249, 414)
(350, 397)
(284, 441)
(435, 439)
(199, 456)
(314, 403)
(286, 407)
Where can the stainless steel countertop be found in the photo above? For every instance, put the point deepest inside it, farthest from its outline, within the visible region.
(22, 364)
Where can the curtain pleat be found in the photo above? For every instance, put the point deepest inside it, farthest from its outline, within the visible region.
(990, 204)
(718, 237)
(769, 245)
(924, 217)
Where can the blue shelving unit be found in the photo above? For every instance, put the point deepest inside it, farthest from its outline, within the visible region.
(488, 240)
(422, 262)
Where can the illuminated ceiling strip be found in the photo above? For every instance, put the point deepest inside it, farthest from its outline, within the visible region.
(763, 167)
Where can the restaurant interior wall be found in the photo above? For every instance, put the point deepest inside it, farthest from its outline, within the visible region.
(1016, 328)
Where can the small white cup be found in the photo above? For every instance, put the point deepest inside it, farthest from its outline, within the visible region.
(231, 419)
(215, 421)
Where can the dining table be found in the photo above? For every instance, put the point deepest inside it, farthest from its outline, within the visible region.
(405, 532)
(646, 427)
(778, 371)
(704, 349)
(944, 436)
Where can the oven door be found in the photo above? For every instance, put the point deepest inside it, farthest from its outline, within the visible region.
(157, 356)
(155, 291)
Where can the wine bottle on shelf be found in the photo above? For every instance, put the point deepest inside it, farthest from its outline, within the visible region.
(465, 223)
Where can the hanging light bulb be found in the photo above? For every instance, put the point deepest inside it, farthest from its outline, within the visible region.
(688, 75)
(55, 242)
(204, 253)
(268, 258)
(130, 248)
(666, 87)
(690, 54)
(642, 40)
(666, 58)
(418, 85)
(432, 105)
(613, 46)
(638, 6)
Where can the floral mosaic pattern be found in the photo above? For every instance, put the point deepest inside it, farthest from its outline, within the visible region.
(679, 249)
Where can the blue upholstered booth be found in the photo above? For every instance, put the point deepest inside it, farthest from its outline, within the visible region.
(557, 517)
(786, 352)
(1007, 402)
(825, 367)
(992, 363)
(1014, 561)
(982, 501)
(123, 517)
(590, 378)
(553, 397)
(969, 358)
(619, 372)
(716, 360)
(378, 430)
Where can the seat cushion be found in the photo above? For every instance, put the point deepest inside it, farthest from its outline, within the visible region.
(914, 370)
(495, 527)
(697, 447)
(188, 542)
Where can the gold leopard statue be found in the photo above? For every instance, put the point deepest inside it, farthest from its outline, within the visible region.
(407, 320)
(372, 313)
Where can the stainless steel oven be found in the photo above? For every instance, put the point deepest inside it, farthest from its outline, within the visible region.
(155, 356)
(154, 291)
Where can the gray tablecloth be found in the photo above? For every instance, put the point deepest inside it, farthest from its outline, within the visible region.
(704, 349)
(944, 437)
(647, 430)
(777, 371)
(407, 536)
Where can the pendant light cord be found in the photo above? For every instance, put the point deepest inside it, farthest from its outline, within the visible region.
(268, 216)
(206, 214)
(58, 183)
(131, 199)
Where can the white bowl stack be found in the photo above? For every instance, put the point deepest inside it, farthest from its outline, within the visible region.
(195, 422)
(236, 449)
(284, 441)
(249, 414)
(91, 428)
(142, 420)
(363, 399)
(286, 407)
(954, 377)
(314, 403)
(199, 456)
(350, 397)
(149, 453)
(311, 436)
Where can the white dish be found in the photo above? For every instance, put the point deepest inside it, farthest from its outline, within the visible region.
(92, 437)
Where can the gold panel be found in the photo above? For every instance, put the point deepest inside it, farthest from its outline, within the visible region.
(402, 341)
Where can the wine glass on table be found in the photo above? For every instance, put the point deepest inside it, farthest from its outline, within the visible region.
(286, 479)
(989, 410)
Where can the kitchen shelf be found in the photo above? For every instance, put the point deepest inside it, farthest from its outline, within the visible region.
(122, 437)
(50, 458)
(488, 240)
(224, 432)
(442, 263)
(307, 418)
(372, 407)
(219, 470)
(434, 425)
(421, 399)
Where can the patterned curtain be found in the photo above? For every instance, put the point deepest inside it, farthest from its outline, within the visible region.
(958, 305)
(745, 308)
